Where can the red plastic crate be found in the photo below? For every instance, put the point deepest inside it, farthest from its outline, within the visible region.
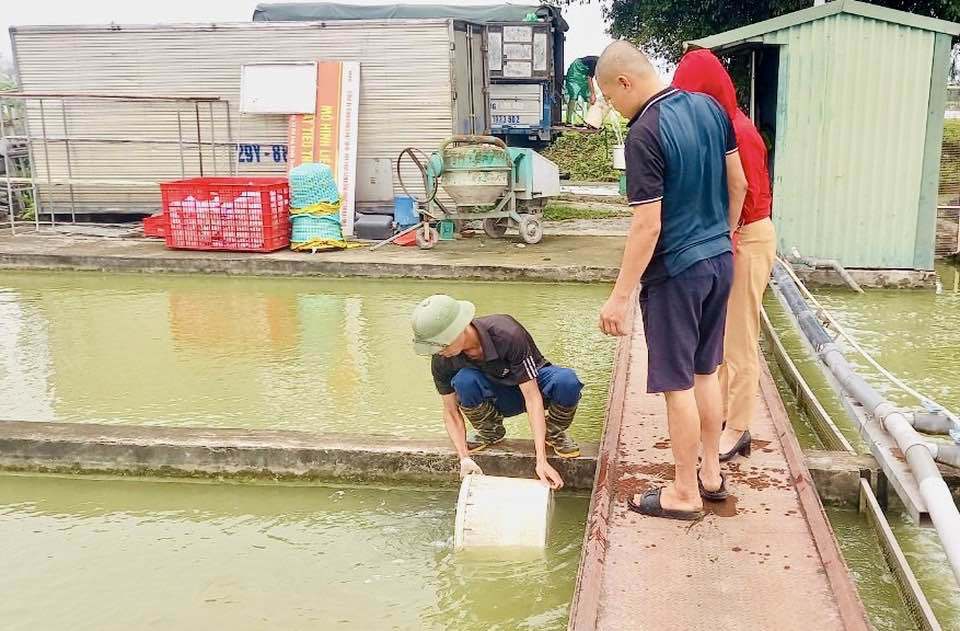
(155, 225)
(239, 214)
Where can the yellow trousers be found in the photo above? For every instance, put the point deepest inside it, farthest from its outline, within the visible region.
(740, 371)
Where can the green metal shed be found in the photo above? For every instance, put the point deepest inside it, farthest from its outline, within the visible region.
(852, 97)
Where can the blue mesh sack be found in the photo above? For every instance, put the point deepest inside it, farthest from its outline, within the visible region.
(312, 183)
(310, 227)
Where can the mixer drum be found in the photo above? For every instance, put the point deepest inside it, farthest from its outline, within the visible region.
(475, 173)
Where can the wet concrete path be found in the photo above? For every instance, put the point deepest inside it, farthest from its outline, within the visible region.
(764, 559)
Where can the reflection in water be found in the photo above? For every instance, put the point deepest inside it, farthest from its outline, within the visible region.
(104, 554)
(24, 361)
(321, 355)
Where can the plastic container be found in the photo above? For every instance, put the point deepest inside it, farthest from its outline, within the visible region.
(310, 227)
(595, 115)
(619, 158)
(238, 214)
(496, 512)
(155, 225)
(406, 240)
(405, 211)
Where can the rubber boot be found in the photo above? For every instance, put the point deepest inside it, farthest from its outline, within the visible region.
(488, 423)
(559, 419)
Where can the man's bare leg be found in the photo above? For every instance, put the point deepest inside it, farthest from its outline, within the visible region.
(683, 421)
(709, 399)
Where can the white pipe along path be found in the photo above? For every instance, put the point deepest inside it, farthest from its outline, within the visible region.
(920, 457)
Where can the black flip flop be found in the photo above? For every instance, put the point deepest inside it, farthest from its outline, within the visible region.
(649, 504)
(714, 496)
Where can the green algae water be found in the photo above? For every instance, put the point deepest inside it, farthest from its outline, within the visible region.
(916, 335)
(304, 354)
(100, 554)
(877, 585)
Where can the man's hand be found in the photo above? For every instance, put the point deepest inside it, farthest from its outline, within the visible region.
(613, 316)
(549, 476)
(469, 467)
(641, 242)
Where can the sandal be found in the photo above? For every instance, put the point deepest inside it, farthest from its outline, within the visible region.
(714, 496)
(649, 504)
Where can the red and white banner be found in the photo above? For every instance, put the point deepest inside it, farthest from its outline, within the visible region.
(330, 134)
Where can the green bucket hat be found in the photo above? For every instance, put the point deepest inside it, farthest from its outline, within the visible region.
(437, 321)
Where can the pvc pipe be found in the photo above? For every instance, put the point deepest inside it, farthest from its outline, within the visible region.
(931, 423)
(833, 264)
(934, 491)
(945, 454)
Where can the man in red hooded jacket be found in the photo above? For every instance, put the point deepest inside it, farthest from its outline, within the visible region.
(755, 245)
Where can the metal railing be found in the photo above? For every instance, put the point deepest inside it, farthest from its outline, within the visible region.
(84, 154)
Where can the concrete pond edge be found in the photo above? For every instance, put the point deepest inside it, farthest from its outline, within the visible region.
(266, 266)
(183, 452)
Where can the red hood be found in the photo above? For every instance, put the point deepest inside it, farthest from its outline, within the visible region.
(701, 71)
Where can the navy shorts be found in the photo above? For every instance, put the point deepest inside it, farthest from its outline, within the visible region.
(557, 384)
(683, 320)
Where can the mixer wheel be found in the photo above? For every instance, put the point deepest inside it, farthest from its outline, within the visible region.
(496, 227)
(531, 229)
(427, 238)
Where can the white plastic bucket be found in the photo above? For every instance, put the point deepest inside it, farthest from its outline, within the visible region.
(502, 512)
(619, 158)
(595, 115)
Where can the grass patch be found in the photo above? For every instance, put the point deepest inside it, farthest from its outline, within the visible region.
(950, 157)
(584, 157)
(562, 212)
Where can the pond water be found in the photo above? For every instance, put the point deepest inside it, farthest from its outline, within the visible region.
(306, 354)
(103, 554)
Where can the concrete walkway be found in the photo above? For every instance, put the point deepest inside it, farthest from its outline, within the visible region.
(556, 258)
(764, 559)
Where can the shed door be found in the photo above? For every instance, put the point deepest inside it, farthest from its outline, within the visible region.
(470, 80)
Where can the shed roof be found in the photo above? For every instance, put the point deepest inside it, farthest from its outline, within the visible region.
(753, 32)
(329, 11)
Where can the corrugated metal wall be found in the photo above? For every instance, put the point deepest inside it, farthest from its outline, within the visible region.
(851, 132)
(405, 95)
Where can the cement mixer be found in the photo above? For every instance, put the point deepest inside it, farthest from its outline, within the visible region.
(504, 187)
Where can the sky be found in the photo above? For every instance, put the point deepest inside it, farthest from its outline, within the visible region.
(587, 33)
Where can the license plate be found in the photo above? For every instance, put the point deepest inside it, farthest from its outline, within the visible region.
(506, 120)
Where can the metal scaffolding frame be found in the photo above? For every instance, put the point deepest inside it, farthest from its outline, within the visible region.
(21, 177)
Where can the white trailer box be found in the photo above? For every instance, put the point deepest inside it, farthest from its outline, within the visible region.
(421, 81)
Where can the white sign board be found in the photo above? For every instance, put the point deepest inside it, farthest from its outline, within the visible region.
(349, 119)
(282, 88)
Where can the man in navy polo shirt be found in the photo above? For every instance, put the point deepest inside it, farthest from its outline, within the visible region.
(686, 187)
